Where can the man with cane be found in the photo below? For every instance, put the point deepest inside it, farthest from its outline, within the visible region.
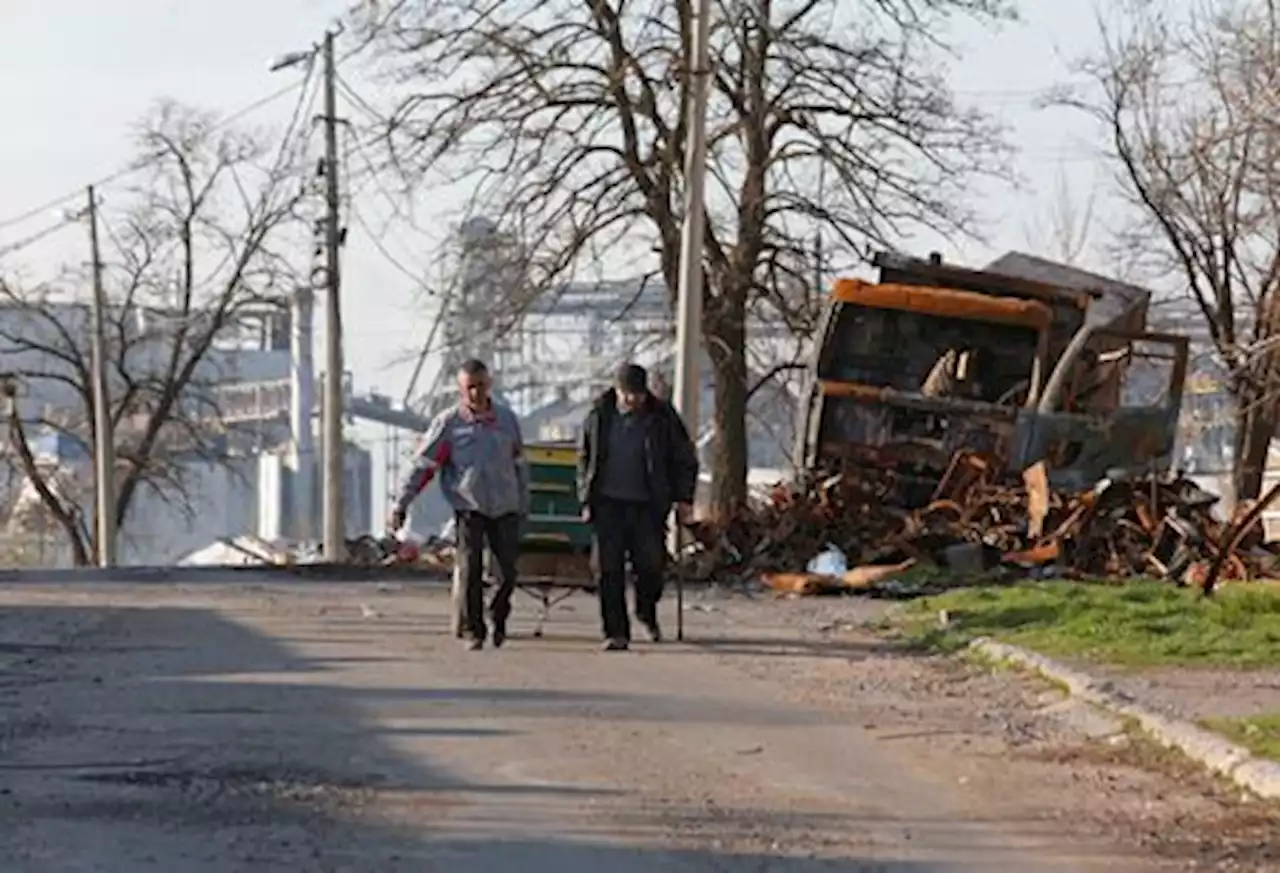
(635, 461)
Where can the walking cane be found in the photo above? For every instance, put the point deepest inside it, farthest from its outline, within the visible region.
(680, 539)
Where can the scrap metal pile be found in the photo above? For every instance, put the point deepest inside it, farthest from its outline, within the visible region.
(974, 523)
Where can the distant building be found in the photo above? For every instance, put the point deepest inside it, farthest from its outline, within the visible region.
(246, 491)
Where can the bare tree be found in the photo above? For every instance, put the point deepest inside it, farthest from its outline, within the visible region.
(569, 117)
(1062, 232)
(1189, 103)
(190, 254)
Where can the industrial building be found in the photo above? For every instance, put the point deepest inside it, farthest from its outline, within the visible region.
(250, 486)
(552, 355)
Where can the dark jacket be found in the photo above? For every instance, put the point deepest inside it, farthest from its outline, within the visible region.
(670, 457)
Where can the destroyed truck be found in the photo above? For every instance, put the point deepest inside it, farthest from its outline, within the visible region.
(1023, 361)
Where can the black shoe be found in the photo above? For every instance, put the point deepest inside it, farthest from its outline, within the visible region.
(615, 644)
(499, 635)
(652, 631)
(474, 645)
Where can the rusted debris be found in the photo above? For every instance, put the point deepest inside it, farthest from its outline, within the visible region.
(1161, 527)
(1245, 532)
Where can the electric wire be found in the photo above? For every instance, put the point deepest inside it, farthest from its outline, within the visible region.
(397, 212)
(141, 163)
(398, 204)
(32, 239)
(288, 140)
(355, 144)
(382, 249)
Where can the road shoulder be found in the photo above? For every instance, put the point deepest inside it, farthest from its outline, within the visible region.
(1043, 750)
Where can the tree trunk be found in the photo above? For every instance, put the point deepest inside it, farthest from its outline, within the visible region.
(1257, 398)
(65, 516)
(1256, 425)
(725, 332)
(80, 556)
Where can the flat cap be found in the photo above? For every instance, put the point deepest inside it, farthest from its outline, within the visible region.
(632, 378)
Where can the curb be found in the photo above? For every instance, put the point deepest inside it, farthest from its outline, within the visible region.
(1220, 755)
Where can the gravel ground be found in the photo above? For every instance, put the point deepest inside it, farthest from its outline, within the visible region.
(339, 727)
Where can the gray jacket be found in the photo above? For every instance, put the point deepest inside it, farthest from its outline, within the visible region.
(480, 459)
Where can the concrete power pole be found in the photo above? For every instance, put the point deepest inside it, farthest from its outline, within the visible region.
(104, 455)
(302, 403)
(688, 387)
(334, 527)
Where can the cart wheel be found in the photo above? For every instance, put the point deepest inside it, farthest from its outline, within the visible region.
(537, 634)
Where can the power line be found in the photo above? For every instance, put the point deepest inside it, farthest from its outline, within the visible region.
(355, 144)
(142, 163)
(36, 237)
(360, 103)
(285, 142)
(397, 204)
(378, 244)
(301, 109)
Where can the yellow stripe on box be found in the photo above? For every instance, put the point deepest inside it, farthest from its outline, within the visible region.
(554, 519)
(557, 536)
(559, 455)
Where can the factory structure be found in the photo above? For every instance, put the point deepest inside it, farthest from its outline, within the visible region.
(552, 355)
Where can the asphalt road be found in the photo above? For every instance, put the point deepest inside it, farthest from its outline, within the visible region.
(340, 728)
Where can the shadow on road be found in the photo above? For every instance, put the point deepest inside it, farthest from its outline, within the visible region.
(177, 740)
(546, 856)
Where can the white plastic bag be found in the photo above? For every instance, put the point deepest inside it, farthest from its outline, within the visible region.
(829, 562)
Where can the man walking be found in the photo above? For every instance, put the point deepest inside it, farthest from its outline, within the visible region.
(477, 449)
(634, 462)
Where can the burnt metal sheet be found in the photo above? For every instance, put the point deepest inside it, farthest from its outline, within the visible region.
(1082, 449)
(925, 272)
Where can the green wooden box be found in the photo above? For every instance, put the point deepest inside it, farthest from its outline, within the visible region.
(555, 519)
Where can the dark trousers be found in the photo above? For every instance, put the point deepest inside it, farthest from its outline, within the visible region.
(621, 531)
(502, 535)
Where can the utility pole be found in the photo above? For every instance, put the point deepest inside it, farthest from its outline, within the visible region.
(688, 387)
(334, 528)
(302, 407)
(104, 455)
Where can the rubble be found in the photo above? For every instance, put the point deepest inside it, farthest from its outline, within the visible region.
(975, 524)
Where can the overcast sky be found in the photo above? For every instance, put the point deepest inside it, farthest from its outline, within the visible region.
(75, 73)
